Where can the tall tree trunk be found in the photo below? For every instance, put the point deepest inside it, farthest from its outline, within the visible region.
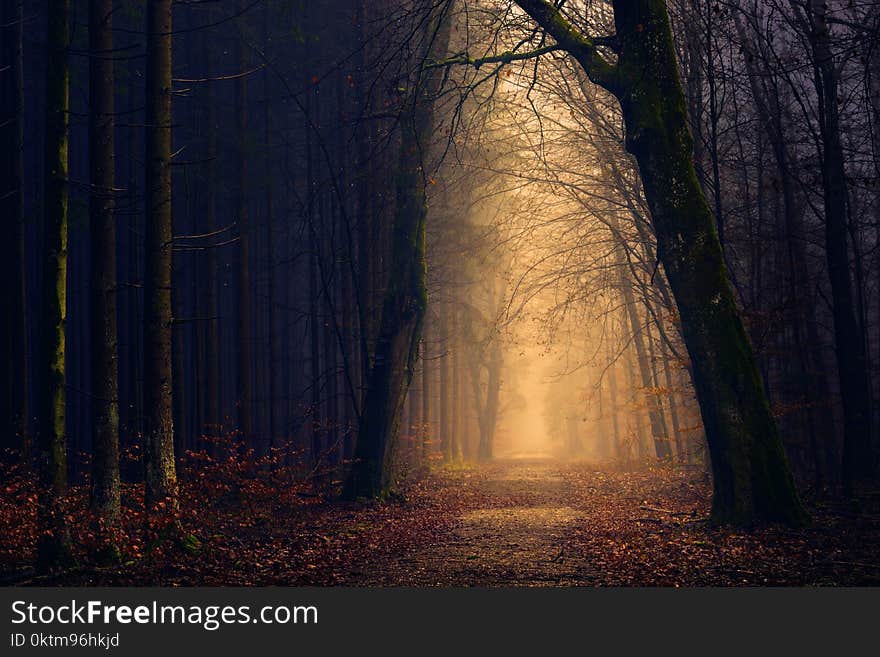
(314, 253)
(637, 419)
(493, 395)
(160, 475)
(713, 120)
(426, 398)
(213, 420)
(752, 481)
(14, 341)
(677, 438)
(444, 424)
(54, 544)
(405, 299)
(655, 414)
(858, 457)
(102, 229)
(274, 343)
(613, 407)
(456, 428)
(243, 351)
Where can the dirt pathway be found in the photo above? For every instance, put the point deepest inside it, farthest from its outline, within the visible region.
(536, 522)
(551, 523)
(519, 532)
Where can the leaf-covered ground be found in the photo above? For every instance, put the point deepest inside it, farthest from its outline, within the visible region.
(511, 523)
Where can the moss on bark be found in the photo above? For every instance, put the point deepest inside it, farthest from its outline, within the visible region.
(54, 545)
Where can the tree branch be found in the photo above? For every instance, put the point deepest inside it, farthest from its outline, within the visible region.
(504, 58)
(584, 49)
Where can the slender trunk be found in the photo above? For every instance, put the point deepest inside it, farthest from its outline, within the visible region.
(244, 361)
(638, 419)
(160, 473)
(314, 254)
(456, 426)
(54, 544)
(426, 398)
(858, 457)
(315, 355)
(330, 344)
(493, 395)
(713, 120)
(445, 443)
(213, 420)
(15, 339)
(102, 228)
(271, 238)
(655, 413)
(613, 408)
(365, 244)
(673, 402)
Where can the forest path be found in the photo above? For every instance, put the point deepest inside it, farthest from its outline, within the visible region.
(516, 522)
(519, 531)
(545, 522)
(530, 522)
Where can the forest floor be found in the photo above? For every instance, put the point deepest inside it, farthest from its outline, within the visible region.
(538, 522)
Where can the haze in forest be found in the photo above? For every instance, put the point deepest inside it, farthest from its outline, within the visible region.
(261, 252)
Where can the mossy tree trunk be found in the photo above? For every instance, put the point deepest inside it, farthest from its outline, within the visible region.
(14, 339)
(752, 480)
(159, 468)
(54, 543)
(405, 299)
(102, 229)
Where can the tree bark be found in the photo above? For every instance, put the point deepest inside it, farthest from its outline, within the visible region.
(53, 549)
(159, 468)
(213, 421)
(243, 352)
(14, 340)
(102, 229)
(274, 341)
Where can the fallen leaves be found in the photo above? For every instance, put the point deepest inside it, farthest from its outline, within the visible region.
(509, 523)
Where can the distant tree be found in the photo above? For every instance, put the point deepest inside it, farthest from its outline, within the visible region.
(858, 455)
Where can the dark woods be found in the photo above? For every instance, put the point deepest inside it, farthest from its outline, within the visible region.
(266, 252)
